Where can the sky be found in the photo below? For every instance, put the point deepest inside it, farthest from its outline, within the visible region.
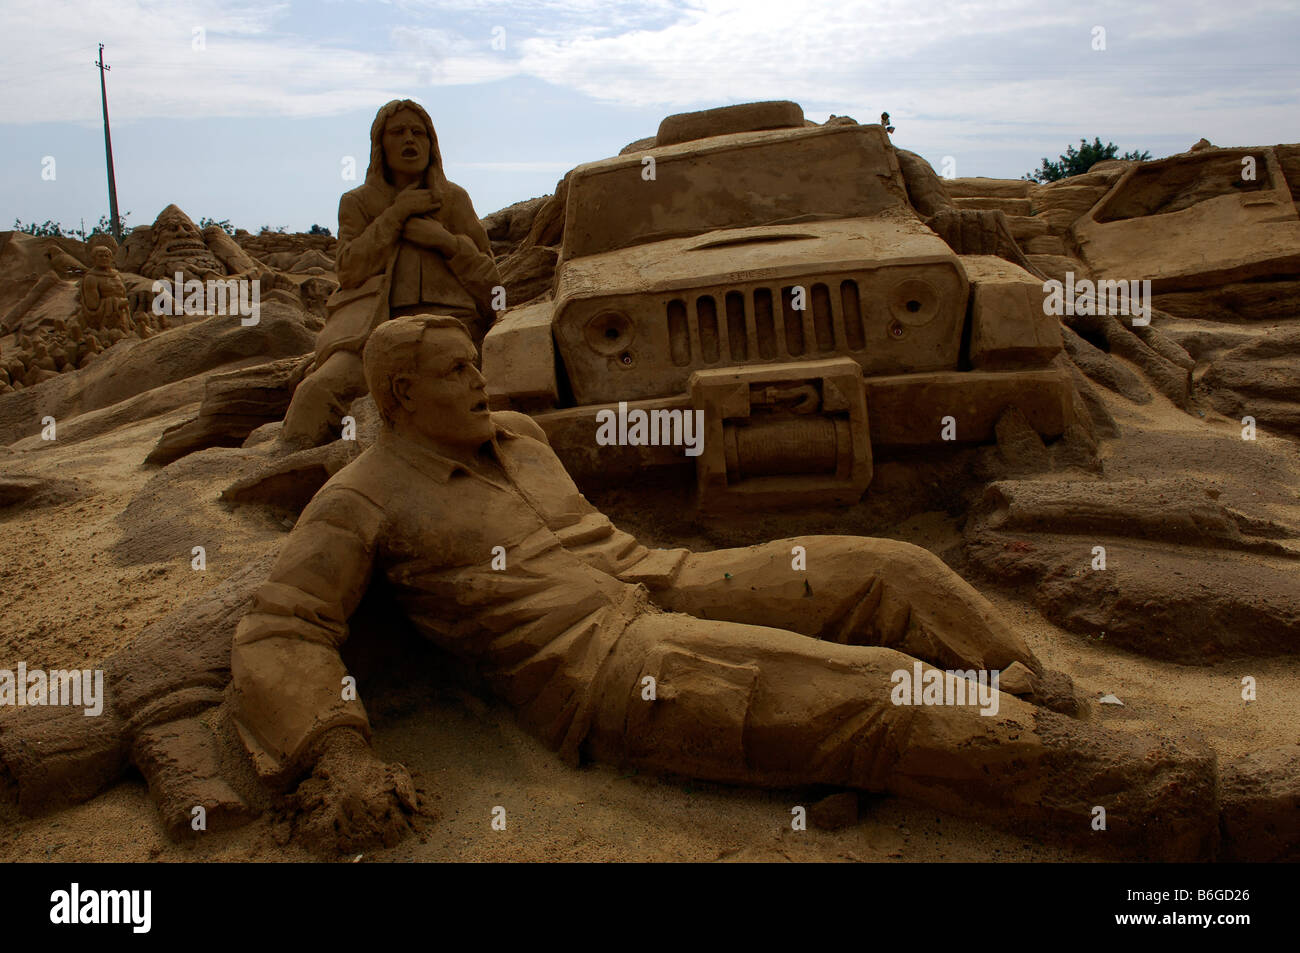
(248, 112)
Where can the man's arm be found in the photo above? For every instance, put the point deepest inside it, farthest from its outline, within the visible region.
(287, 674)
(90, 293)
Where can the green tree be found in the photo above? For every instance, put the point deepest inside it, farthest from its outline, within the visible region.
(1078, 161)
(318, 230)
(224, 225)
(104, 228)
(56, 230)
(49, 229)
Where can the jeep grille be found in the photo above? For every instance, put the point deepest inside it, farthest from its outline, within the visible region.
(762, 324)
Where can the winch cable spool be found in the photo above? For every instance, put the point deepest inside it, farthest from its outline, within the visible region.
(786, 446)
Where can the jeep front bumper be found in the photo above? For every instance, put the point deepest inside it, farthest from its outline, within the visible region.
(897, 411)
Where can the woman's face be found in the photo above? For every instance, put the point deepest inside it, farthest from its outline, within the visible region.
(406, 143)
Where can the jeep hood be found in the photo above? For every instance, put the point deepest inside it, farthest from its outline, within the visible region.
(768, 252)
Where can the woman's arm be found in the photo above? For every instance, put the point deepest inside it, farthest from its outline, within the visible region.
(365, 246)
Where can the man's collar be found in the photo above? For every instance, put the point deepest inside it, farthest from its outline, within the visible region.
(428, 460)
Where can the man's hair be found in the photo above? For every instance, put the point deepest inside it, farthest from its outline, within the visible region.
(394, 349)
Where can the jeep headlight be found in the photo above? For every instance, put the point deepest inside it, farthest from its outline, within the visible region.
(609, 332)
(914, 302)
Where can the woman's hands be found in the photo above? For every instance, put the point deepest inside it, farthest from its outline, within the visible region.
(430, 234)
(415, 202)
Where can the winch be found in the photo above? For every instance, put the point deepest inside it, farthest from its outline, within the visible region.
(780, 432)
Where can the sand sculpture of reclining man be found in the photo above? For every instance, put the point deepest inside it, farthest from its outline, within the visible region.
(409, 243)
(763, 674)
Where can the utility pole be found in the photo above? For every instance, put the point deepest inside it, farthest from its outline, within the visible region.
(108, 151)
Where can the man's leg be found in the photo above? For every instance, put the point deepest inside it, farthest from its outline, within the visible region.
(753, 705)
(855, 591)
(321, 400)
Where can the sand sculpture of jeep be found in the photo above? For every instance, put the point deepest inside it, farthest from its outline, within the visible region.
(771, 274)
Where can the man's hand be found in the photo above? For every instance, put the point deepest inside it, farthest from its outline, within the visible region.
(415, 202)
(353, 800)
(430, 234)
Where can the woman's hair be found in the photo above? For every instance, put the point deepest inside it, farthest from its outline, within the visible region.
(377, 172)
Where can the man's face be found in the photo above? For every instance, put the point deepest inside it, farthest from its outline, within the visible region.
(448, 396)
(177, 237)
(102, 256)
(177, 245)
(406, 143)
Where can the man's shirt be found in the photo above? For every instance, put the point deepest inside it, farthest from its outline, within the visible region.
(538, 628)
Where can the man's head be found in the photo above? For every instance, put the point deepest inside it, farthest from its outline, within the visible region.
(420, 371)
(176, 244)
(102, 256)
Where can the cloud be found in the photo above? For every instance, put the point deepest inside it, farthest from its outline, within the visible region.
(963, 70)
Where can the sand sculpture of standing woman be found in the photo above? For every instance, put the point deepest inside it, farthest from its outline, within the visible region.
(409, 243)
